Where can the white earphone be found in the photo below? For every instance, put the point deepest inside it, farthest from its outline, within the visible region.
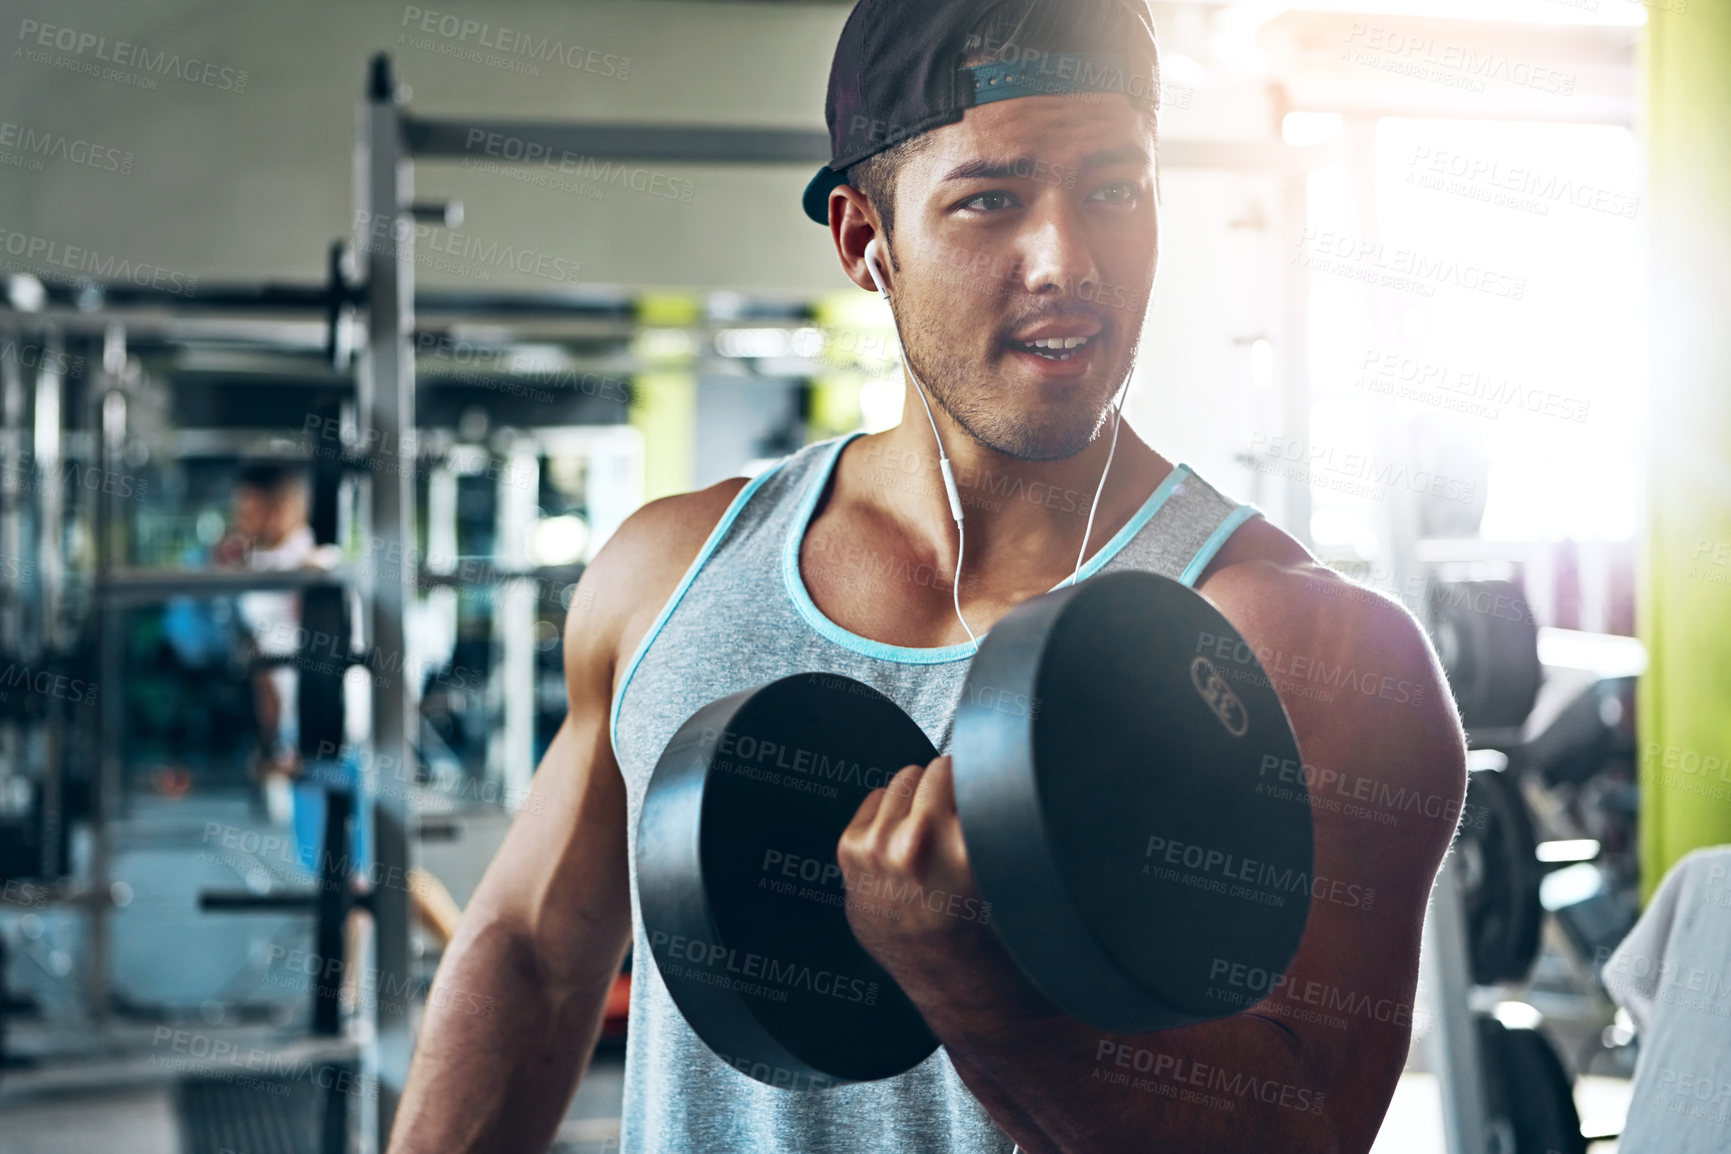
(871, 261)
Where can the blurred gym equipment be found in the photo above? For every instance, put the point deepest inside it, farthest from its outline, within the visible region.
(1548, 715)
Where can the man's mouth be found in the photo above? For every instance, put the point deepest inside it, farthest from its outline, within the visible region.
(1053, 348)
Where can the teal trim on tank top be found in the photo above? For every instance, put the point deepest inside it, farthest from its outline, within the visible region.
(1215, 540)
(715, 535)
(910, 655)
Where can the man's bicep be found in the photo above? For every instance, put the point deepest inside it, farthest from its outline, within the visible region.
(1347, 998)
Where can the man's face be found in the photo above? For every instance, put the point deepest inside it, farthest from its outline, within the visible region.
(1031, 219)
(265, 517)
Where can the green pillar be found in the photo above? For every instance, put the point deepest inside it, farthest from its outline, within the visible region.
(664, 395)
(860, 345)
(1684, 598)
(664, 409)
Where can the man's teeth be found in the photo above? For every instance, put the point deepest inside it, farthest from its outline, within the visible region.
(1055, 348)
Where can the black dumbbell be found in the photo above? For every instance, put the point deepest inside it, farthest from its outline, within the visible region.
(1112, 758)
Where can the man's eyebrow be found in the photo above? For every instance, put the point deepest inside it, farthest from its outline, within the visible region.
(1025, 166)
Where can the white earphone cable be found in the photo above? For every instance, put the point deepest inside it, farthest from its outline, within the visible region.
(950, 491)
(1117, 419)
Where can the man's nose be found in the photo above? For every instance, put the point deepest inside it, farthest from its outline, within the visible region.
(1057, 258)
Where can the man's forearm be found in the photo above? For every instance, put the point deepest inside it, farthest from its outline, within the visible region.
(1059, 1086)
(501, 1049)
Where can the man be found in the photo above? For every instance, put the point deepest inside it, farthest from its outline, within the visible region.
(1000, 156)
(269, 532)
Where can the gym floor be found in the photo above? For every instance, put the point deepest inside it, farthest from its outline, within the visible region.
(39, 1117)
(142, 1119)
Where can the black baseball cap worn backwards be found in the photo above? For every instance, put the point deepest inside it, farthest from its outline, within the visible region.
(902, 67)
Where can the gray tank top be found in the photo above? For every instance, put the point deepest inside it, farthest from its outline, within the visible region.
(741, 617)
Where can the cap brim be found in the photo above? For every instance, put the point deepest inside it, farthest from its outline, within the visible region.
(816, 198)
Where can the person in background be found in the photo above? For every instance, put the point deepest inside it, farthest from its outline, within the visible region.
(269, 532)
(1669, 973)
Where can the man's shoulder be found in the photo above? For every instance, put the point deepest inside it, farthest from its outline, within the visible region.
(1263, 572)
(1331, 641)
(658, 542)
(639, 568)
(642, 562)
(669, 531)
(1258, 539)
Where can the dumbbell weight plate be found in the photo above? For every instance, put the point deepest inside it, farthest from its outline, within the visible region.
(742, 897)
(1094, 719)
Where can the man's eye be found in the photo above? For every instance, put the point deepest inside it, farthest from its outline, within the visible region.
(1120, 193)
(990, 201)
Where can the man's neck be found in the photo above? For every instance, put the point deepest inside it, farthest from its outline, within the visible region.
(1023, 520)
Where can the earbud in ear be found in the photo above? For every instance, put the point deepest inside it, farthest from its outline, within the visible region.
(871, 261)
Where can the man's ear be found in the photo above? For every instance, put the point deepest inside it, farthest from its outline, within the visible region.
(853, 223)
